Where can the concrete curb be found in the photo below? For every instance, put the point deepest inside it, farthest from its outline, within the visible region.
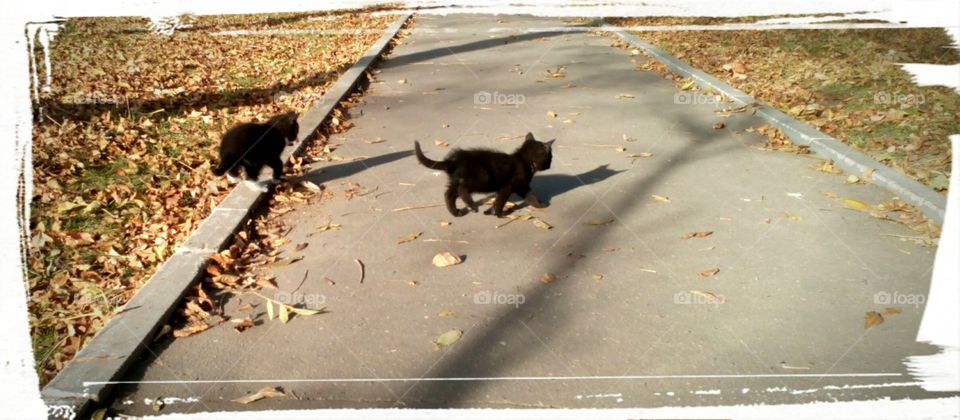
(116, 347)
(845, 157)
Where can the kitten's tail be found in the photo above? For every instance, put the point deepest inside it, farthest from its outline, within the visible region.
(425, 161)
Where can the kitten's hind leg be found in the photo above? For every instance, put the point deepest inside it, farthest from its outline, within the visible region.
(252, 169)
(499, 202)
(277, 166)
(467, 198)
(451, 199)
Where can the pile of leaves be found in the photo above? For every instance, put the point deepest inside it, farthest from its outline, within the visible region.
(125, 137)
(846, 83)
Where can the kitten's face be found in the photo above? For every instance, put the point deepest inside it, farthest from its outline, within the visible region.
(287, 124)
(538, 154)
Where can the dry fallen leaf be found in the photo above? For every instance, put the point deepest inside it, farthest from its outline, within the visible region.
(892, 311)
(640, 155)
(408, 238)
(547, 278)
(541, 224)
(700, 234)
(242, 324)
(441, 143)
(328, 226)
(447, 339)
(792, 216)
(712, 298)
(310, 185)
(624, 96)
(268, 392)
(551, 114)
(718, 125)
(855, 204)
(660, 198)
(872, 319)
(598, 222)
(709, 273)
(597, 277)
(446, 259)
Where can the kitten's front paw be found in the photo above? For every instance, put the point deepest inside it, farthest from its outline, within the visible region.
(461, 212)
(232, 179)
(256, 186)
(488, 211)
(534, 202)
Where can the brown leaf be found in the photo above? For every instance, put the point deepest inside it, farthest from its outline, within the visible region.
(709, 273)
(408, 238)
(547, 278)
(267, 282)
(872, 319)
(242, 324)
(892, 311)
(598, 222)
(268, 392)
(699, 234)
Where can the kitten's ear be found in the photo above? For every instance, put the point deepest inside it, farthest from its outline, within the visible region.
(529, 137)
(549, 144)
(292, 115)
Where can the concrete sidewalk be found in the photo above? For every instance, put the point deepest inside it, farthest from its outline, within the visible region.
(628, 322)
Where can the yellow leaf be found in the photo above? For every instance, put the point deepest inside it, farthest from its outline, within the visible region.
(660, 198)
(284, 316)
(304, 311)
(270, 310)
(447, 339)
(855, 204)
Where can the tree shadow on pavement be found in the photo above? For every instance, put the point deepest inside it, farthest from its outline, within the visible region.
(512, 322)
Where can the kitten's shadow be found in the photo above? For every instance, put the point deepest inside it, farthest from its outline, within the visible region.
(342, 170)
(546, 187)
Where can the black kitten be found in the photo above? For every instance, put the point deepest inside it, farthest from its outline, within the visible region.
(251, 146)
(479, 170)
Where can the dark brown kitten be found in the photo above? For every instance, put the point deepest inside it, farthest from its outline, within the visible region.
(251, 146)
(480, 170)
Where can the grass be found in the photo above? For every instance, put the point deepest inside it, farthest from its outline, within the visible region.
(853, 74)
(117, 186)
